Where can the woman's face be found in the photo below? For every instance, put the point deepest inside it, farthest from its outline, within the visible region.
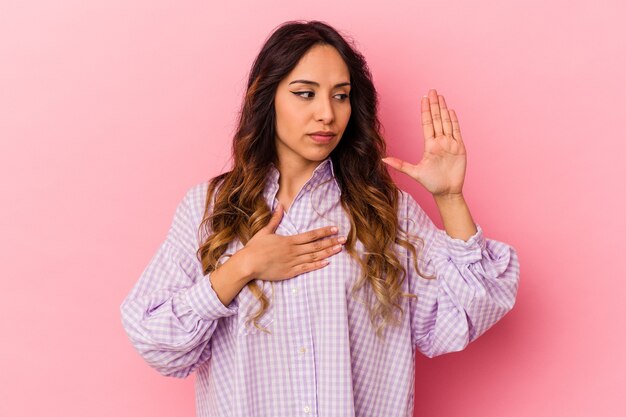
(313, 97)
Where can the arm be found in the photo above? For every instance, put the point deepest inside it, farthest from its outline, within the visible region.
(476, 285)
(457, 219)
(173, 310)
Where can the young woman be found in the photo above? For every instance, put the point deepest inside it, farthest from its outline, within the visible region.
(302, 281)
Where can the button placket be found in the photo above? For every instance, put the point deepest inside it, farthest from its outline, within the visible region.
(302, 347)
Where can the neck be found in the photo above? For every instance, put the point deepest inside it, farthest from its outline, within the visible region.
(293, 175)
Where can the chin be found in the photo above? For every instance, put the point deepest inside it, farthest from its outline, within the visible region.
(320, 152)
(317, 156)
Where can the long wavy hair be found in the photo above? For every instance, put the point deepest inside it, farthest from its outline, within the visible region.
(368, 194)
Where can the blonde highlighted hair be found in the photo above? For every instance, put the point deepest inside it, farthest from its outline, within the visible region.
(236, 208)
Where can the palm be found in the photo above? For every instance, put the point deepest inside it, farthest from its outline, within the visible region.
(442, 168)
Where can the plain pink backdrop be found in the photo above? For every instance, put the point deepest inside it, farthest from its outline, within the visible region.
(110, 110)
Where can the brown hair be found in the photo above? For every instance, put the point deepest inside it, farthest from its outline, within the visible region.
(368, 195)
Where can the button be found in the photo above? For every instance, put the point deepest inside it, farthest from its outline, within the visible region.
(294, 290)
(302, 349)
(307, 409)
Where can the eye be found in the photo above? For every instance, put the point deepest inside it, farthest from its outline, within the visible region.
(301, 94)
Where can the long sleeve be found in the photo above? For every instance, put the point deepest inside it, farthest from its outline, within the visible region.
(476, 285)
(172, 311)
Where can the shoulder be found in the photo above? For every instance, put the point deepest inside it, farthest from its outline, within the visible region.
(191, 206)
(411, 213)
(403, 196)
(194, 202)
(195, 196)
(406, 202)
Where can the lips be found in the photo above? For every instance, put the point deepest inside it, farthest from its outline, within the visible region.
(322, 138)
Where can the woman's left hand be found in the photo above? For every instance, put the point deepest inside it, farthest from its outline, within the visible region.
(442, 168)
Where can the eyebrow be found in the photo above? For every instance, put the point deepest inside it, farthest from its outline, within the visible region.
(317, 84)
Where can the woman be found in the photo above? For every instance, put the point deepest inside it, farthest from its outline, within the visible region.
(277, 312)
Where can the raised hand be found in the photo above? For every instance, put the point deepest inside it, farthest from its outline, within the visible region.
(442, 168)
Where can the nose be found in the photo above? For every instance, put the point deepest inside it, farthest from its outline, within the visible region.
(324, 111)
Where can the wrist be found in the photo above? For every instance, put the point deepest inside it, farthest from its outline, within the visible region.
(244, 265)
(451, 198)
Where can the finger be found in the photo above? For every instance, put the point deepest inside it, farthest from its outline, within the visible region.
(427, 120)
(320, 245)
(435, 112)
(275, 219)
(321, 254)
(314, 234)
(445, 117)
(399, 164)
(307, 267)
(456, 130)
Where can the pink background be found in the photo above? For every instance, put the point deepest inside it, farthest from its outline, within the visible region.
(110, 110)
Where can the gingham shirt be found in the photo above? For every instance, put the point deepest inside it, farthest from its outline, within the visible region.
(322, 358)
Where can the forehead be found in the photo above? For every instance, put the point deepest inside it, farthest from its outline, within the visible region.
(321, 63)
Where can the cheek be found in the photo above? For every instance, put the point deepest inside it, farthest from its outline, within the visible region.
(288, 116)
(293, 120)
(345, 116)
(284, 119)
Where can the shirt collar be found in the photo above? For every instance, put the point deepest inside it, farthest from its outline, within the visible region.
(322, 173)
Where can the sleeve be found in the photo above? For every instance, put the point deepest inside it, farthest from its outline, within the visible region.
(172, 310)
(475, 286)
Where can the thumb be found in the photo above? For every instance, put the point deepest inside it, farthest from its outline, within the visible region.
(399, 164)
(274, 220)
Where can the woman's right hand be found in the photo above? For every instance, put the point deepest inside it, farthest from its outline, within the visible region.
(273, 257)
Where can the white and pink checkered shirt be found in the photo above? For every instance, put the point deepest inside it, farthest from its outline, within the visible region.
(322, 357)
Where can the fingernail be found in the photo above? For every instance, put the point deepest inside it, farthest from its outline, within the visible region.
(333, 229)
(342, 239)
